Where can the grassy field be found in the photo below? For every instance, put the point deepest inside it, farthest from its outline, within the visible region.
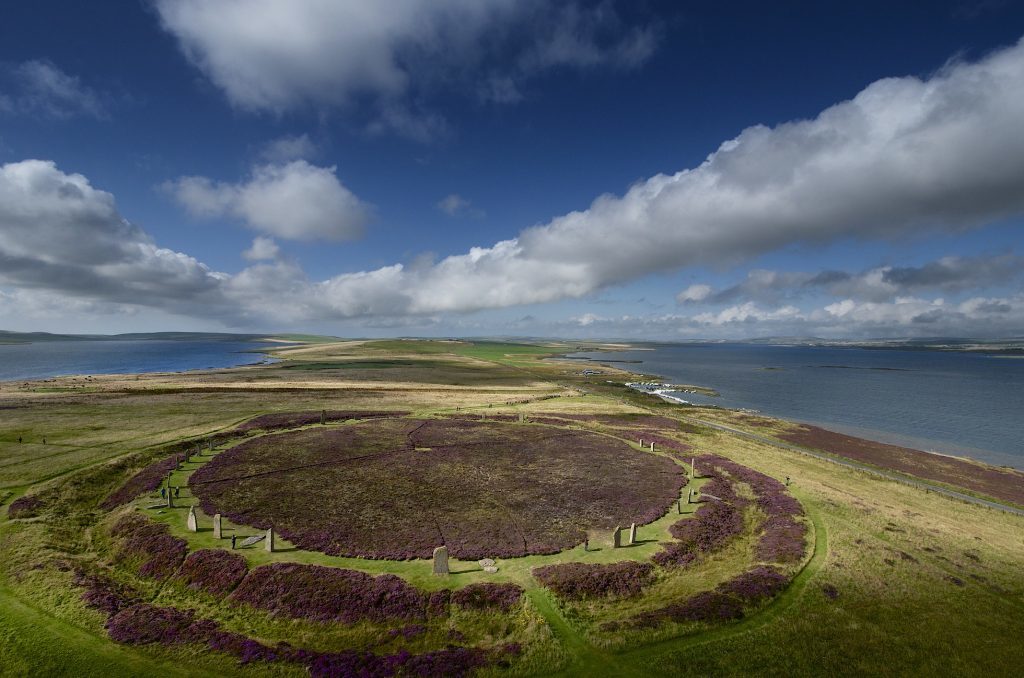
(897, 580)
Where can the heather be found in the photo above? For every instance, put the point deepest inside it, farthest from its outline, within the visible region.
(330, 594)
(104, 594)
(706, 606)
(755, 585)
(576, 581)
(26, 506)
(1002, 483)
(146, 480)
(320, 487)
(281, 420)
(215, 571)
(487, 596)
(150, 544)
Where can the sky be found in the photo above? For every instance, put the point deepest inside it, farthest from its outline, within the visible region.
(585, 168)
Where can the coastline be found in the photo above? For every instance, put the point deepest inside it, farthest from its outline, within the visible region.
(1002, 483)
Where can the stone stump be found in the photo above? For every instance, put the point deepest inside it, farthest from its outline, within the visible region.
(217, 530)
(689, 497)
(268, 543)
(641, 442)
(632, 535)
(441, 560)
(193, 526)
(617, 538)
(652, 446)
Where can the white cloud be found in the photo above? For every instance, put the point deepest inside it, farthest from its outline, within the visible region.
(262, 249)
(882, 283)
(694, 293)
(296, 201)
(282, 55)
(59, 233)
(41, 88)
(454, 205)
(904, 158)
(287, 148)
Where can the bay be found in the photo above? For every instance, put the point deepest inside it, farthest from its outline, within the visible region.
(966, 404)
(44, 360)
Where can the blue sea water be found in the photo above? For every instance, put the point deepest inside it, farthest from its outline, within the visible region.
(43, 360)
(966, 404)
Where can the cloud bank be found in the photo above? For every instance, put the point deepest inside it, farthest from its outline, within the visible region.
(904, 158)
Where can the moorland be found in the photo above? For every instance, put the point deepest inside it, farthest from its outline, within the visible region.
(743, 549)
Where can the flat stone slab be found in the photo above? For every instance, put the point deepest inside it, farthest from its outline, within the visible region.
(255, 539)
(486, 562)
(490, 569)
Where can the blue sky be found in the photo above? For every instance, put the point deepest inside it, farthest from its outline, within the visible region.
(437, 168)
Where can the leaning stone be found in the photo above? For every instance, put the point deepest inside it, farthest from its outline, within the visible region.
(617, 538)
(632, 535)
(217, 529)
(193, 526)
(268, 544)
(441, 560)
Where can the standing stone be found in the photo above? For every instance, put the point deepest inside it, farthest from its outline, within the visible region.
(216, 526)
(192, 525)
(209, 444)
(632, 535)
(641, 442)
(679, 505)
(323, 417)
(441, 560)
(617, 538)
(693, 468)
(652, 446)
(187, 456)
(268, 543)
(689, 497)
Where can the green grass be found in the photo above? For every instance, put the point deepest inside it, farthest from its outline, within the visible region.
(891, 551)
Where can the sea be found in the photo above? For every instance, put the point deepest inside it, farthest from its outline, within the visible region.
(42, 360)
(964, 404)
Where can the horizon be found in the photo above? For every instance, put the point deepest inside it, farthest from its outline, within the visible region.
(592, 170)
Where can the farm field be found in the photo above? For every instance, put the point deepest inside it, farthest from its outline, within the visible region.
(365, 456)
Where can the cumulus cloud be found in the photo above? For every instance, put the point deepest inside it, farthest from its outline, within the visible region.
(297, 201)
(41, 88)
(903, 158)
(262, 249)
(57, 232)
(882, 283)
(281, 55)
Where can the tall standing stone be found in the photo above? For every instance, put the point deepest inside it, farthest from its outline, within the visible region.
(323, 417)
(617, 538)
(632, 535)
(216, 526)
(652, 446)
(689, 497)
(441, 560)
(170, 497)
(693, 468)
(209, 444)
(193, 526)
(187, 457)
(268, 543)
(641, 442)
